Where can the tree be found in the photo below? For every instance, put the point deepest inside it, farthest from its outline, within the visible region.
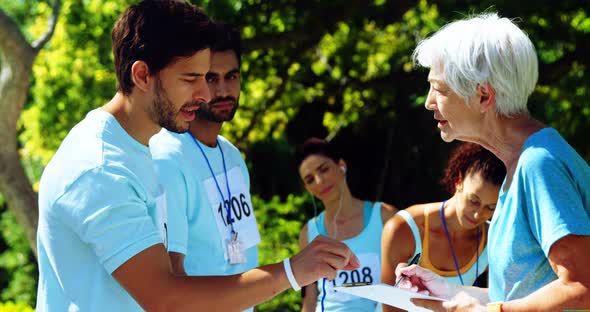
(16, 61)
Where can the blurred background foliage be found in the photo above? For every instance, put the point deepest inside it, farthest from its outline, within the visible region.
(338, 69)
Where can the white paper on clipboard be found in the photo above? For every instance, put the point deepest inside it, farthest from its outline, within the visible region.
(389, 295)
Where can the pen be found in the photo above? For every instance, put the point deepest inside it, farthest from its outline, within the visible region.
(414, 260)
(354, 284)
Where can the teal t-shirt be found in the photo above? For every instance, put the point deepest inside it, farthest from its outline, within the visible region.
(94, 198)
(548, 199)
(198, 224)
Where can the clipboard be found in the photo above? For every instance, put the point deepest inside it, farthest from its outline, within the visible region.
(387, 294)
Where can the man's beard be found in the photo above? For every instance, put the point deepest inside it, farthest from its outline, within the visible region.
(205, 110)
(163, 112)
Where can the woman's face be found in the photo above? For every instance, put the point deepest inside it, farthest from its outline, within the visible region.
(456, 119)
(322, 176)
(476, 200)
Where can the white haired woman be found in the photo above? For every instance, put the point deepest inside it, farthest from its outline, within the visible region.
(482, 71)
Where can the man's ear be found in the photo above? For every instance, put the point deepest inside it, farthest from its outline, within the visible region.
(487, 97)
(140, 74)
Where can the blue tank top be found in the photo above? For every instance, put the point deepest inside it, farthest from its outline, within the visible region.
(367, 247)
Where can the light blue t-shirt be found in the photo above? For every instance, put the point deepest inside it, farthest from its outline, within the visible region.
(94, 199)
(548, 199)
(367, 247)
(198, 224)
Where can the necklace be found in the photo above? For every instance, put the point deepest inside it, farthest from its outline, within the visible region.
(224, 202)
(444, 222)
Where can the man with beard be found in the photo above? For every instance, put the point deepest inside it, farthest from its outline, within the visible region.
(212, 229)
(98, 248)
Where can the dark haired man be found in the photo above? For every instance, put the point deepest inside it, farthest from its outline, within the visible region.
(202, 173)
(99, 250)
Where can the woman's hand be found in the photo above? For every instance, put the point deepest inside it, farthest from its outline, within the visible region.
(462, 302)
(424, 281)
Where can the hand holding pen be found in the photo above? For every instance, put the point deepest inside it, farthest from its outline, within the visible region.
(414, 260)
(422, 280)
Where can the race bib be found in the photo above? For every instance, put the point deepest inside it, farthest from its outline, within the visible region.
(162, 218)
(240, 212)
(368, 272)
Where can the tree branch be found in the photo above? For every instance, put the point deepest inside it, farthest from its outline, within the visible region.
(16, 63)
(44, 38)
(16, 56)
(11, 37)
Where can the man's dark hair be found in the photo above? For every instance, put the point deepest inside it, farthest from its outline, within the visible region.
(227, 38)
(157, 32)
(315, 146)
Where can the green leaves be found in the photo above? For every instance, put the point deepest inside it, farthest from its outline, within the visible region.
(72, 75)
(17, 264)
(280, 223)
(15, 307)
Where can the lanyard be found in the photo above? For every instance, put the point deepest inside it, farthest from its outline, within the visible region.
(442, 216)
(228, 209)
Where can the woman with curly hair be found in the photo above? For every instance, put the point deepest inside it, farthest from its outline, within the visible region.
(450, 235)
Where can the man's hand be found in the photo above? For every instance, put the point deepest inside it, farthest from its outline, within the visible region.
(322, 258)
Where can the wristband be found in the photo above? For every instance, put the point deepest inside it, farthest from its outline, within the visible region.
(495, 307)
(290, 276)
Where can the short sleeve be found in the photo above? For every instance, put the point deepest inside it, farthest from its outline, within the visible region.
(175, 185)
(109, 214)
(554, 205)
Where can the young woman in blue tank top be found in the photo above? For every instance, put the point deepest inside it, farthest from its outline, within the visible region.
(451, 235)
(346, 218)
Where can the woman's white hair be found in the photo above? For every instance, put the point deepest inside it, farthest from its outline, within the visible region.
(484, 49)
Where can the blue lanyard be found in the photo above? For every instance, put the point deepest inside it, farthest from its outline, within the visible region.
(229, 218)
(442, 216)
